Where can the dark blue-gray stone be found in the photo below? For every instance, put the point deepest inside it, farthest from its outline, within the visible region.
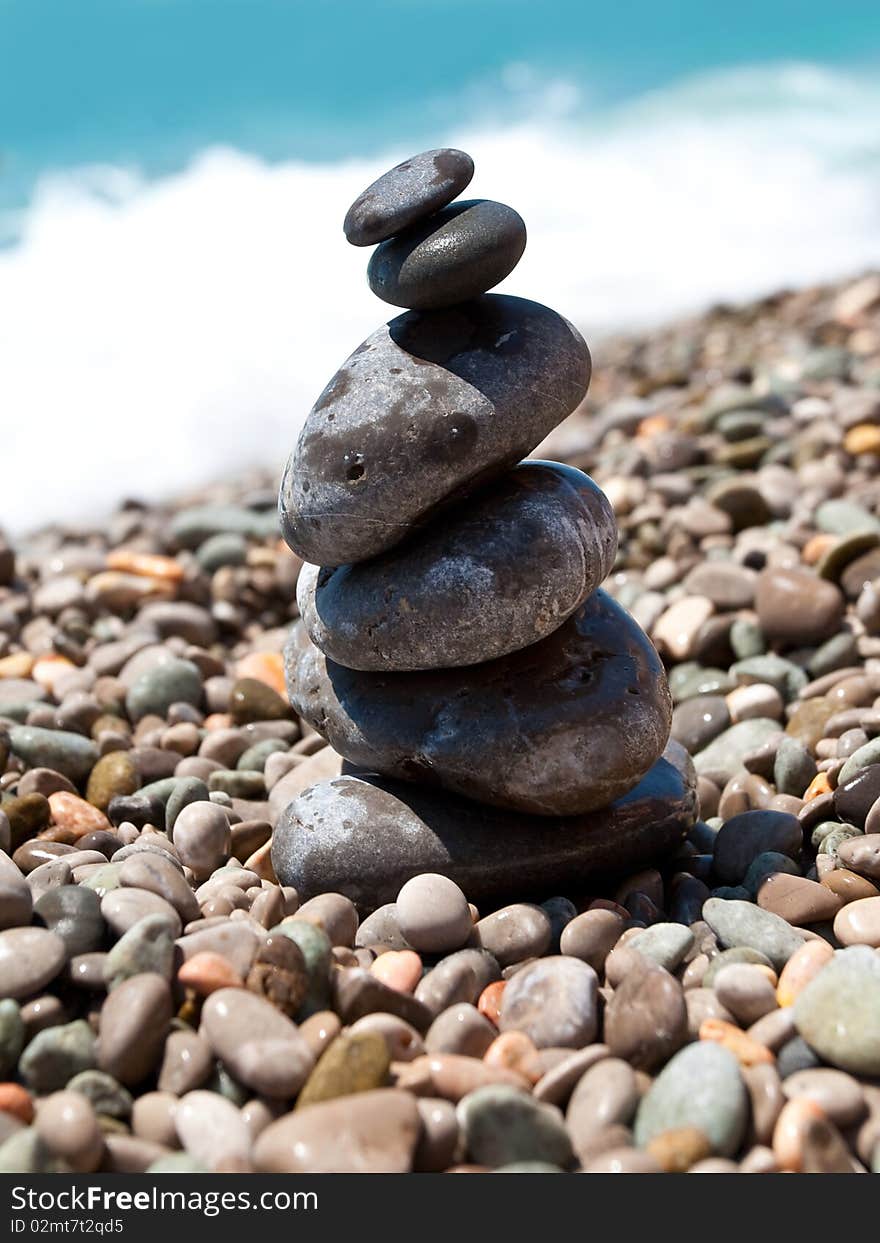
(490, 577)
(365, 836)
(61, 750)
(456, 254)
(562, 727)
(420, 185)
(429, 407)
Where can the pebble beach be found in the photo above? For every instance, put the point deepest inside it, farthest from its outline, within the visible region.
(693, 986)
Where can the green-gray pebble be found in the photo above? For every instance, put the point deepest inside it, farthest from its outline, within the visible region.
(254, 759)
(838, 1013)
(175, 681)
(664, 944)
(56, 1054)
(107, 1096)
(794, 768)
(222, 549)
(186, 790)
(501, 1124)
(70, 754)
(788, 678)
(727, 752)
(742, 923)
(12, 1035)
(861, 758)
(700, 1087)
(148, 945)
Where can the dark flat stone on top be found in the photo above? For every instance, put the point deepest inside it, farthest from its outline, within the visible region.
(413, 189)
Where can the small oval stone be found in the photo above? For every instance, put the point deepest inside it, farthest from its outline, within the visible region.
(452, 256)
(399, 198)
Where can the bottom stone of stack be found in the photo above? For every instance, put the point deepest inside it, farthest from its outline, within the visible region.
(365, 836)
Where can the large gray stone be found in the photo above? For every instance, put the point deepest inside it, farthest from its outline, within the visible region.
(427, 408)
(485, 579)
(365, 837)
(562, 727)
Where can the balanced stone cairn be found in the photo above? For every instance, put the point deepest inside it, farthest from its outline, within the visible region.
(494, 715)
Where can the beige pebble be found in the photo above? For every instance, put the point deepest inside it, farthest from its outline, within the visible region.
(759, 1160)
(186, 1062)
(460, 1029)
(372, 1132)
(453, 1076)
(858, 923)
(320, 1030)
(67, 1124)
(152, 1117)
(746, 991)
(623, 1161)
(213, 1131)
(335, 913)
(745, 703)
(675, 632)
(261, 1047)
(591, 936)
(838, 1095)
(201, 837)
(122, 908)
(433, 914)
(606, 1095)
(133, 1025)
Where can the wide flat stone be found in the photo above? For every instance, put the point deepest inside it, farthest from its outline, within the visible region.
(562, 727)
(365, 836)
(457, 253)
(427, 408)
(495, 574)
(413, 189)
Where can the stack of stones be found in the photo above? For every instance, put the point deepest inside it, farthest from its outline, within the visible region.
(494, 715)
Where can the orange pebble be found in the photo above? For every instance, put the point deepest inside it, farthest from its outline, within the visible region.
(71, 812)
(788, 1134)
(819, 785)
(261, 862)
(204, 973)
(513, 1051)
(48, 669)
(267, 667)
(18, 665)
(653, 425)
(144, 564)
(863, 438)
(489, 1004)
(16, 1100)
(803, 966)
(217, 720)
(399, 969)
(746, 1050)
(814, 549)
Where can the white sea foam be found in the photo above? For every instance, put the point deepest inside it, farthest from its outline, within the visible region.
(155, 334)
